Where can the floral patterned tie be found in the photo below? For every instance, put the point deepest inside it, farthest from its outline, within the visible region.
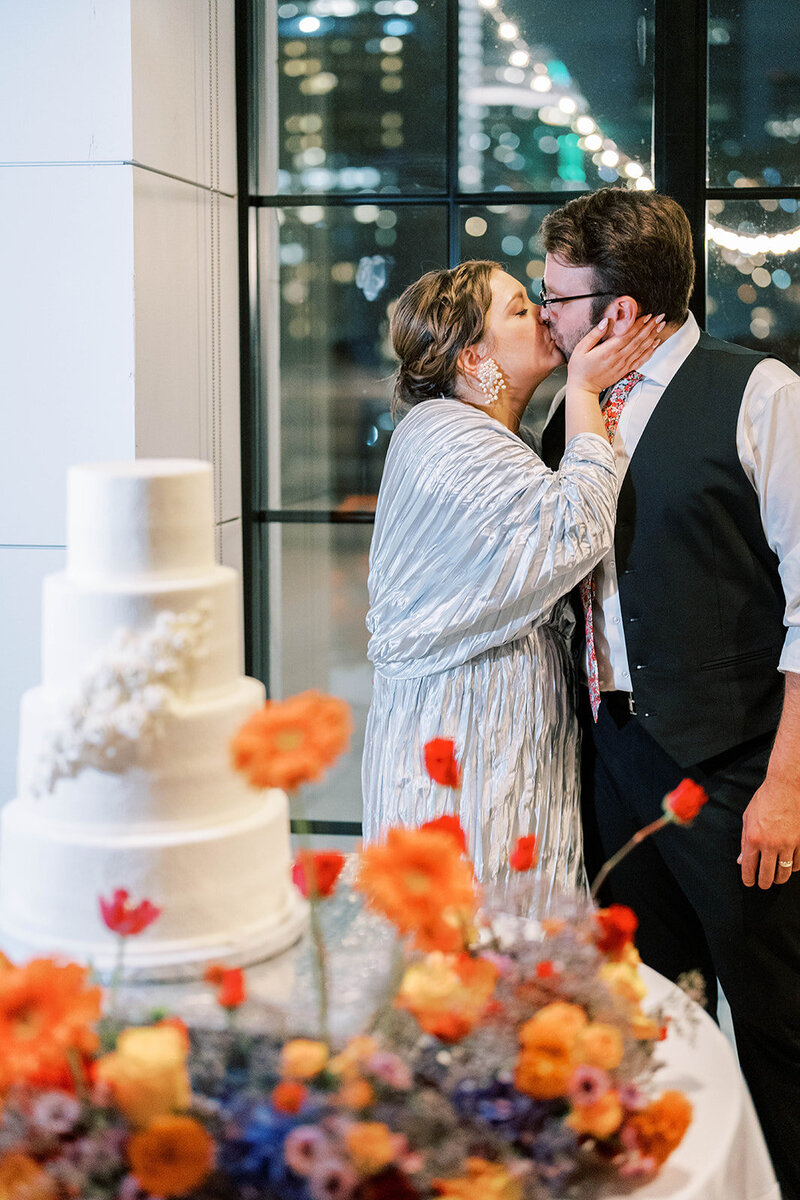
(612, 409)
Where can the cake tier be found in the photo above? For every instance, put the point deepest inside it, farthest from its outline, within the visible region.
(150, 517)
(225, 891)
(80, 619)
(181, 777)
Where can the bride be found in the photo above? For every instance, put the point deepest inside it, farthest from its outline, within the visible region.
(475, 544)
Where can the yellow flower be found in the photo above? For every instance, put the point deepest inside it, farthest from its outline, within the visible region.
(348, 1063)
(559, 1018)
(624, 981)
(598, 1120)
(483, 1181)
(448, 994)
(147, 1072)
(645, 1029)
(371, 1146)
(303, 1059)
(600, 1045)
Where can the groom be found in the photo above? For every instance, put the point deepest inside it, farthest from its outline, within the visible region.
(696, 631)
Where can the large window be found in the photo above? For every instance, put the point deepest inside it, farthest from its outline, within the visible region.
(382, 138)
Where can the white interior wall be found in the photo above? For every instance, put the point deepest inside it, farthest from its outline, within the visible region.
(119, 274)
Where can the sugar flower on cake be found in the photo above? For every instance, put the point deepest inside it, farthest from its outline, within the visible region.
(123, 698)
(292, 742)
(124, 918)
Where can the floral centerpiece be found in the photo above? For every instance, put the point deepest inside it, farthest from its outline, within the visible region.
(509, 1059)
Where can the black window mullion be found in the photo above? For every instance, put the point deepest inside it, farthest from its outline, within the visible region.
(679, 120)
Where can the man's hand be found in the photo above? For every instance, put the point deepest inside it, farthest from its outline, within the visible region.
(771, 822)
(771, 834)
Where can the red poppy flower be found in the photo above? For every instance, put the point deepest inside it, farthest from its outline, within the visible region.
(317, 872)
(545, 969)
(684, 803)
(452, 827)
(229, 982)
(125, 919)
(523, 857)
(616, 926)
(441, 764)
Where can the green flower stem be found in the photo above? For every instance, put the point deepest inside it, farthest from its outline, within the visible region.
(116, 976)
(320, 955)
(638, 837)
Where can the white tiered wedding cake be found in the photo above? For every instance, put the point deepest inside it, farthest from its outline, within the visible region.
(124, 778)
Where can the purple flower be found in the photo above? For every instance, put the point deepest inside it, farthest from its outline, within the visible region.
(631, 1097)
(304, 1148)
(332, 1179)
(587, 1085)
(55, 1113)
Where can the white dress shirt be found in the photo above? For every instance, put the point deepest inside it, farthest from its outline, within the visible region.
(768, 445)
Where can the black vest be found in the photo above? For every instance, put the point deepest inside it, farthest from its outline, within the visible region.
(701, 597)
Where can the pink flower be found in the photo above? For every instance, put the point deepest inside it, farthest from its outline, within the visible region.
(121, 918)
(304, 1147)
(55, 1113)
(332, 1179)
(391, 1069)
(588, 1085)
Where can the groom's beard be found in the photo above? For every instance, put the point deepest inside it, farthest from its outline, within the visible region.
(570, 340)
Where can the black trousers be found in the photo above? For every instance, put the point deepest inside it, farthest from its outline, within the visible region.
(695, 912)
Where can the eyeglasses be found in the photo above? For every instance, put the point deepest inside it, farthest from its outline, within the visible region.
(545, 301)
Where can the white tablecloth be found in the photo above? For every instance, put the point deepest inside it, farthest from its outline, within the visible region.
(723, 1155)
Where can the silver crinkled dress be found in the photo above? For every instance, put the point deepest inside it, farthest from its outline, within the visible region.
(475, 544)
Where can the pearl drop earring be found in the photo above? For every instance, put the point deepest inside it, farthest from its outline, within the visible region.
(491, 380)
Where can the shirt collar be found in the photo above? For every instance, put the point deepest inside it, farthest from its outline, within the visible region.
(665, 360)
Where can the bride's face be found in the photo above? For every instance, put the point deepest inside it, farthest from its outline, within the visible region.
(520, 341)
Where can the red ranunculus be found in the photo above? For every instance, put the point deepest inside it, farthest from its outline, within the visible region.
(684, 803)
(317, 871)
(451, 826)
(125, 919)
(616, 926)
(440, 762)
(523, 857)
(545, 969)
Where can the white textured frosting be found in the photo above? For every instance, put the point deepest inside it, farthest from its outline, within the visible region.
(124, 775)
(147, 518)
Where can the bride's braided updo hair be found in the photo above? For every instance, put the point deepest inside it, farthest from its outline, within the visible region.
(433, 321)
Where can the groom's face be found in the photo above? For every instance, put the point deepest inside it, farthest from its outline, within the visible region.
(569, 321)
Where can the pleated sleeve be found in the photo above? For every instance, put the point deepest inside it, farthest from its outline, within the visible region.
(475, 538)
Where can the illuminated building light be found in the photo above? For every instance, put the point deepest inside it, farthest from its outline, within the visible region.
(633, 170)
(567, 104)
(609, 158)
(308, 24)
(760, 243)
(508, 31)
(488, 3)
(585, 125)
(541, 83)
(519, 58)
(594, 142)
(644, 184)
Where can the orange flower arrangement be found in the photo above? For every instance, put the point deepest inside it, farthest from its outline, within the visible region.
(288, 1096)
(660, 1127)
(291, 742)
(172, 1156)
(483, 1181)
(147, 1072)
(418, 879)
(547, 1056)
(448, 995)
(46, 1013)
(371, 1146)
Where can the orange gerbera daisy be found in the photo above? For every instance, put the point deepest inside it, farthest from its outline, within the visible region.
(46, 1011)
(172, 1156)
(418, 879)
(290, 742)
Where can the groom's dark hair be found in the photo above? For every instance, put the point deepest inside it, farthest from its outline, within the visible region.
(639, 244)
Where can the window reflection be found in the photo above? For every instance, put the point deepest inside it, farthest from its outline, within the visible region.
(754, 274)
(327, 358)
(553, 99)
(754, 93)
(358, 102)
